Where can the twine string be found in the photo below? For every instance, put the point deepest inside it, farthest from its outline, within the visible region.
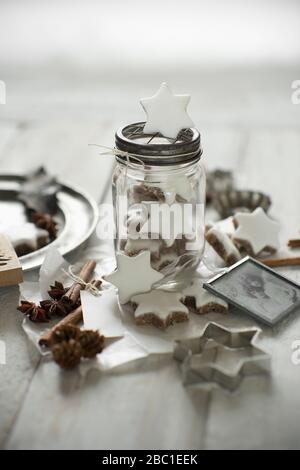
(121, 153)
(133, 156)
(132, 159)
(86, 285)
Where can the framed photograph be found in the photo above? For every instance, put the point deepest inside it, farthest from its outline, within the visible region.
(256, 289)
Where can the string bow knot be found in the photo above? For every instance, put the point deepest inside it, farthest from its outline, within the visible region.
(86, 285)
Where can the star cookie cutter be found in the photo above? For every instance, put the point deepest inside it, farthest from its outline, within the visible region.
(202, 358)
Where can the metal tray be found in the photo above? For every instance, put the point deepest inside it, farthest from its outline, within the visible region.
(77, 217)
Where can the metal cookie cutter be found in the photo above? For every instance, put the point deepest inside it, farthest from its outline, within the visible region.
(221, 356)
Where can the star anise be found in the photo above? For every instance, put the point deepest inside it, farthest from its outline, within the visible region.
(60, 308)
(46, 222)
(34, 312)
(57, 290)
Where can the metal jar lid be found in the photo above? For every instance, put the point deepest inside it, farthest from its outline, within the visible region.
(154, 149)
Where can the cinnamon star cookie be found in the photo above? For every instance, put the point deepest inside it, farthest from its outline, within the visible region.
(256, 232)
(133, 275)
(200, 301)
(25, 238)
(223, 245)
(159, 308)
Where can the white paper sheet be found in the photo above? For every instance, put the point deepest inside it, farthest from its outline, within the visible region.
(125, 350)
(51, 270)
(34, 331)
(30, 291)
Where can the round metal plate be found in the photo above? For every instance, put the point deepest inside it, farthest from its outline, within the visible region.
(77, 217)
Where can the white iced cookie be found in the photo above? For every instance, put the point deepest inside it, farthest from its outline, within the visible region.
(26, 237)
(133, 275)
(164, 261)
(176, 189)
(180, 186)
(137, 217)
(133, 247)
(256, 232)
(143, 192)
(200, 301)
(159, 308)
(170, 223)
(223, 245)
(166, 112)
(224, 225)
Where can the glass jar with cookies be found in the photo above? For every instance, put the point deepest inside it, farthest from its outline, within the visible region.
(159, 199)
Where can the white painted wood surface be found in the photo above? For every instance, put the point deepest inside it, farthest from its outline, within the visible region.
(252, 129)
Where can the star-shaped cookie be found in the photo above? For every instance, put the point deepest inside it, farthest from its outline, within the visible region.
(159, 308)
(179, 186)
(200, 301)
(133, 275)
(166, 112)
(256, 232)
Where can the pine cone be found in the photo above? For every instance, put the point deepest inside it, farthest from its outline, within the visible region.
(91, 343)
(67, 354)
(65, 333)
(35, 313)
(57, 290)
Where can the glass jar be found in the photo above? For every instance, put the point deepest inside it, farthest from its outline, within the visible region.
(159, 199)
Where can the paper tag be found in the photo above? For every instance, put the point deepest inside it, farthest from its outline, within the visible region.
(102, 313)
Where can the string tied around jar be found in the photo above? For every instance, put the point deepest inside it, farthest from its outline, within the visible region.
(121, 153)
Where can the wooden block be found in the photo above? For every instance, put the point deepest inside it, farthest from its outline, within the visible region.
(10, 267)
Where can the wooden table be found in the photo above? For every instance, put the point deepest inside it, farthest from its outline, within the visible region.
(248, 125)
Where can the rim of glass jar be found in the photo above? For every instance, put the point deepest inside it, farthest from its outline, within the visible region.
(186, 148)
